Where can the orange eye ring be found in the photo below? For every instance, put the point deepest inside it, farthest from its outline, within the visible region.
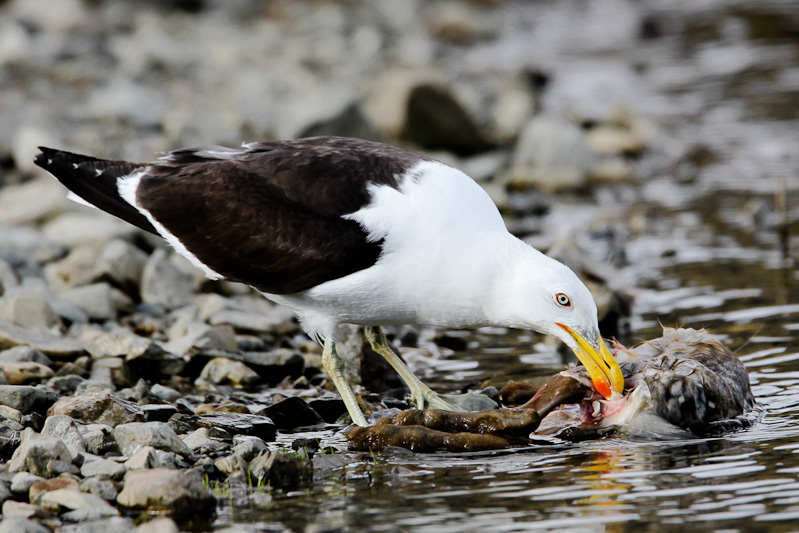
(563, 300)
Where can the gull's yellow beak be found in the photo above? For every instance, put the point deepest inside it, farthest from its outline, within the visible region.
(602, 367)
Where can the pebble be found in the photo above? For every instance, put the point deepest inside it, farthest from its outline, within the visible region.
(24, 354)
(30, 311)
(224, 371)
(73, 499)
(99, 301)
(159, 435)
(163, 284)
(15, 524)
(282, 470)
(36, 453)
(65, 429)
(180, 493)
(98, 407)
(14, 509)
(25, 372)
(22, 482)
(292, 413)
(103, 467)
(95, 229)
(100, 486)
(46, 342)
(47, 485)
(159, 525)
(26, 399)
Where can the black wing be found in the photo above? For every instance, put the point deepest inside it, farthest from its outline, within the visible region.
(270, 215)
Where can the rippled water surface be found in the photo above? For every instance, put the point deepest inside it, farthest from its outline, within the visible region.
(712, 251)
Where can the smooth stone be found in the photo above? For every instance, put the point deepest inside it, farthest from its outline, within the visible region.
(200, 442)
(143, 458)
(159, 525)
(65, 429)
(14, 509)
(73, 499)
(552, 153)
(95, 524)
(436, 120)
(100, 301)
(196, 336)
(11, 413)
(132, 436)
(249, 447)
(293, 412)
(330, 409)
(76, 269)
(27, 246)
(74, 229)
(164, 393)
(26, 399)
(30, 311)
(103, 467)
(100, 486)
(15, 524)
(25, 372)
(239, 424)
(34, 201)
(98, 407)
(46, 342)
(24, 354)
(179, 492)
(224, 371)
(158, 412)
(163, 284)
(122, 264)
(22, 482)
(48, 485)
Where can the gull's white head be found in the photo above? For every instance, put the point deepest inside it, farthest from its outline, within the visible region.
(547, 296)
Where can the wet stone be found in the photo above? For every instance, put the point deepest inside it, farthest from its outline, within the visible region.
(282, 470)
(181, 493)
(99, 407)
(330, 409)
(159, 525)
(115, 524)
(239, 424)
(292, 413)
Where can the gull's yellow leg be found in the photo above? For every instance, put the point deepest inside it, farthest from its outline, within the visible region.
(334, 366)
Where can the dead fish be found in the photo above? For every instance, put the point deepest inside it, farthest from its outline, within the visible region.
(684, 383)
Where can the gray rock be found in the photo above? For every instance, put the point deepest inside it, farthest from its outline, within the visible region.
(65, 384)
(143, 458)
(282, 470)
(246, 321)
(15, 524)
(200, 442)
(22, 482)
(14, 509)
(98, 407)
(224, 371)
(99, 301)
(131, 102)
(26, 399)
(163, 284)
(29, 311)
(36, 452)
(239, 424)
(23, 245)
(99, 438)
(122, 264)
(553, 154)
(179, 492)
(131, 437)
(165, 393)
(51, 484)
(103, 467)
(20, 354)
(94, 386)
(11, 413)
(100, 486)
(76, 269)
(35, 201)
(249, 447)
(192, 337)
(230, 464)
(20, 373)
(8, 277)
(5, 491)
(57, 500)
(65, 429)
(74, 229)
(47, 343)
(111, 370)
(159, 525)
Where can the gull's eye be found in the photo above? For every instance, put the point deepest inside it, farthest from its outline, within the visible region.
(563, 300)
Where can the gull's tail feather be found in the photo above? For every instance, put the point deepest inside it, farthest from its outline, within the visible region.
(95, 181)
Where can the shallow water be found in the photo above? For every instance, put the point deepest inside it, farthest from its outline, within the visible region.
(712, 251)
